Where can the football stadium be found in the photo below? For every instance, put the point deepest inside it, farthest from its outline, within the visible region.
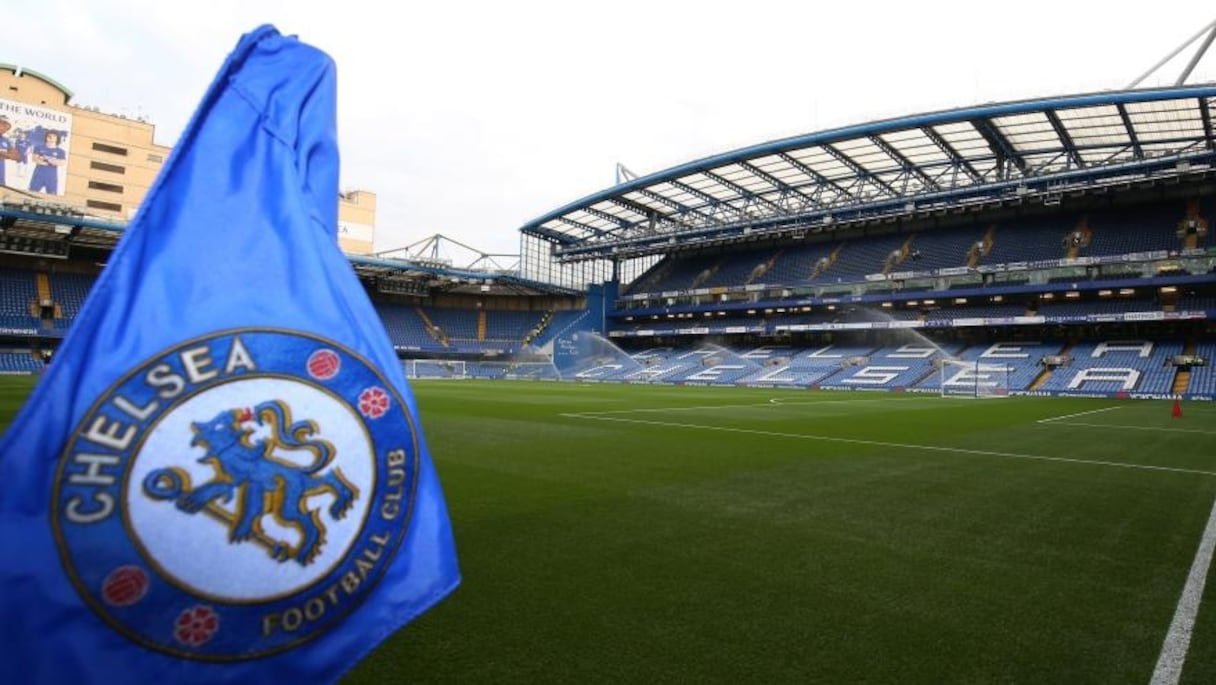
(924, 399)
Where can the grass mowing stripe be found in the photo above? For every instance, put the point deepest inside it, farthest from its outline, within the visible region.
(880, 443)
(1178, 639)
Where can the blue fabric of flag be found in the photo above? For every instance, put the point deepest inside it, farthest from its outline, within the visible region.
(222, 476)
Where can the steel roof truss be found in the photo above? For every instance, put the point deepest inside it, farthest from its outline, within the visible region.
(821, 181)
(787, 190)
(860, 171)
(682, 210)
(905, 163)
(959, 161)
(580, 225)
(1070, 147)
(1001, 148)
(1131, 130)
(600, 214)
(745, 193)
(1118, 154)
(1205, 115)
(720, 211)
(709, 200)
(653, 216)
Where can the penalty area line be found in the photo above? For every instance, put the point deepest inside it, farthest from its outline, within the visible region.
(883, 443)
(1136, 428)
(1080, 413)
(1178, 638)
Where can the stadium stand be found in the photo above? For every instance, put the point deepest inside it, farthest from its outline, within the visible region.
(800, 264)
(1116, 367)
(1134, 229)
(1029, 241)
(811, 267)
(1203, 378)
(512, 326)
(1022, 359)
(857, 258)
(558, 323)
(18, 298)
(945, 249)
(406, 328)
(19, 362)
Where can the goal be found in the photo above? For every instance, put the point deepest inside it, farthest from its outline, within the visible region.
(974, 379)
(435, 368)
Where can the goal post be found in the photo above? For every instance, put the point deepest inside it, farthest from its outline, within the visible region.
(435, 368)
(974, 379)
(516, 370)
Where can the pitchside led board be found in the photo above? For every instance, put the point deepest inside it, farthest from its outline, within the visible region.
(34, 147)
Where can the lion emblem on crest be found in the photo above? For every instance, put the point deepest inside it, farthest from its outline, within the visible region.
(254, 452)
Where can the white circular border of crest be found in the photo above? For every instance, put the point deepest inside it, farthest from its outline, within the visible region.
(193, 550)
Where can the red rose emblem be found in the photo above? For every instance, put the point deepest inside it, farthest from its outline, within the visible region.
(196, 625)
(373, 403)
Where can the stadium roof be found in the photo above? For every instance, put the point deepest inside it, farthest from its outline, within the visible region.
(895, 166)
(34, 227)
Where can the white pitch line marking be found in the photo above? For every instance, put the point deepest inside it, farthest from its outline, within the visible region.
(880, 443)
(1135, 428)
(1178, 638)
(1080, 413)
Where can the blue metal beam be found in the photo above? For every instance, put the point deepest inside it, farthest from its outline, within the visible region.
(985, 112)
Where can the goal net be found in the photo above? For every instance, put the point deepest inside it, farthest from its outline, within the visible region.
(435, 368)
(528, 371)
(974, 379)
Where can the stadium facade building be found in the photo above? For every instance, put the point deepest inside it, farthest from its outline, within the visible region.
(100, 163)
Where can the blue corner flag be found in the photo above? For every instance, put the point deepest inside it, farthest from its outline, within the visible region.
(222, 476)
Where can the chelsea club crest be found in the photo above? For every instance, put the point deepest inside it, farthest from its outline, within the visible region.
(236, 495)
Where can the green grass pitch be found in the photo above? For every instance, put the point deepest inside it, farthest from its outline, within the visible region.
(625, 533)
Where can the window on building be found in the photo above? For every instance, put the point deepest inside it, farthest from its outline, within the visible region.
(108, 206)
(108, 187)
(112, 149)
(112, 168)
(155, 158)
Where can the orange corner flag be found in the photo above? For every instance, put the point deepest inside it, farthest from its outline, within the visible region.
(1177, 412)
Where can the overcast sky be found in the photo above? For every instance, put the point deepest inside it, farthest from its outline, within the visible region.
(469, 119)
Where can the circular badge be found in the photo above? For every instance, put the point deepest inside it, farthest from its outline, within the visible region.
(236, 495)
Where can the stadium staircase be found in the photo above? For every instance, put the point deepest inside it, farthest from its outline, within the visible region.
(705, 276)
(1079, 238)
(929, 371)
(897, 258)
(481, 326)
(1042, 378)
(43, 283)
(981, 249)
(540, 327)
(1045, 374)
(1183, 379)
(826, 263)
(1190, 240)
(431, 328)
(763, 268)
